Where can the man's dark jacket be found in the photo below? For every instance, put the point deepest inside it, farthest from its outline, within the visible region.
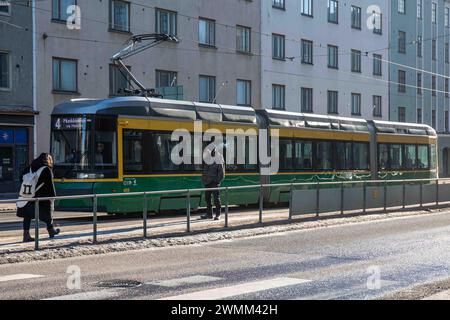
(213, 174)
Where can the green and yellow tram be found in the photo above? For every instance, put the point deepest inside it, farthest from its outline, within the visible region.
(124, 145)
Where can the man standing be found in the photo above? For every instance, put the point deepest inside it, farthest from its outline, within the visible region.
(213, 175)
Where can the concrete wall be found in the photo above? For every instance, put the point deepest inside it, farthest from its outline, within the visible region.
(294, 74)
(93, 46)
(16, 39)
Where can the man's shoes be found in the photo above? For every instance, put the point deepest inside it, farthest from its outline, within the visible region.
(217, 218)
(27, 237)
(206, 217)
(53, 232)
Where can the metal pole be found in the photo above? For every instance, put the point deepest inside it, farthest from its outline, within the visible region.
(318, 199)
(364, 196)
(261, 204)
(342, 198)
(291, 197)
(421, 194)
(94, 213)
(437, 192)
(385, 196)
(188, 211)
(36, 225)
(226, 207)
(145, 213)
(404, 194)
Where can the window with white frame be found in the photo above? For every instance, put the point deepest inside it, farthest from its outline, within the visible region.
(356, 61)
(333, 57)
(307, 51)
(244, 93)
(447, 17)
(306, 7)
(59, 9)
(65, 75)
(377, 65)
(278, 97)
(118, 80)
(333, 102)
(307, 99)
(5, 7)
(5, 66)
(278, 4)
(377, 106)
(243, 39)
(356, 104)
(166, 22)
(278, 46)
(120, 15)
(433, 12)
(401, 6)
(419, 9)
(166, 78)
(207, 32)
(333, 11)
(356, 17)
(207, 89)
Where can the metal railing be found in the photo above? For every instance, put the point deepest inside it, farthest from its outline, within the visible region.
(226, 190)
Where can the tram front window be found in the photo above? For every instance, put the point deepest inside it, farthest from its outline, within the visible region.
(84, 147)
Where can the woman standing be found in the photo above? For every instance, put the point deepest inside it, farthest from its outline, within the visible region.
(44, 164)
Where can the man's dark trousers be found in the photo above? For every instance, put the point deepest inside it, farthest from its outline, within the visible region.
(209, 194)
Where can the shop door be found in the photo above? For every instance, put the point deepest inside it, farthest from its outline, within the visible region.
(6, 169)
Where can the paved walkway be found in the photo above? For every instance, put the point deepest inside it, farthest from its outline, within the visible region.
(444, 295)
(7, 207)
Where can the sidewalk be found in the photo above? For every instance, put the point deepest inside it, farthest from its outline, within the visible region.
(7, 207)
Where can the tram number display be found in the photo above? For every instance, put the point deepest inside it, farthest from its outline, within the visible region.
(72, 123)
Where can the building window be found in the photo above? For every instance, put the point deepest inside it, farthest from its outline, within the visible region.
(433, 49)
(433, 12)
(307, 99)
(5, 7)
(278, 97)
(333, 57)
(419, 46)
(401, 42)
(433, 86)
(166, 22)
(401, 6)
(356, 104)
(356, 61)
(356, 17)
(307, 51)
(433, 119)
(447, 17)
(401, 114)
(401, 81)
(207, 89)
(243, 39)
(65, 75)
(446, 87)
(278, 49)
(332, 102)
(166, 79)
(419, 83)
(207, 32)
(306, 7)
(446, 121)
(447, 53)
(5, 65)
(279, 4)
(119, 15)
(59, 9)
(333, 11)
(377, 106)
(377, 23)
(118, 81)
(419, 9)
(419, 115)
(244, 93)
(377, 65)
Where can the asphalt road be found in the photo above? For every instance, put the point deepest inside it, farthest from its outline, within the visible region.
(355, 261)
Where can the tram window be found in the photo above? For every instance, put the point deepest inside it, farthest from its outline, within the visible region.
(344, 155)
(132, 151)
(360, 156)
(396, 156)
(303, 155)
(105, 154)
(383, 154)
(286, 155)
(422, 157)
(410, 156)
(433, 157)
(161, 153)
(323, 156)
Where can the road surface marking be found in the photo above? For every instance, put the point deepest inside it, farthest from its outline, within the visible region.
(240, 289)
(90, 295)
(20, 276)
(184, 281)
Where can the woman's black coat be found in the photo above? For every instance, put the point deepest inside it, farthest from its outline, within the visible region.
(47, 190)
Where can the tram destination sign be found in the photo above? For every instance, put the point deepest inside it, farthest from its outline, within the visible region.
(70, 123)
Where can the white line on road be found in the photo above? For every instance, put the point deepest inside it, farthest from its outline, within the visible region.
(226, 292)
(90, 295)
(184, 281)
(20, 276)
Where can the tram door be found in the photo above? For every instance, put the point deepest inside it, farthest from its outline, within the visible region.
(6, 167)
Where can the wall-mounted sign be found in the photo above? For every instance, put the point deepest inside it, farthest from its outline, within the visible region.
(6, 136)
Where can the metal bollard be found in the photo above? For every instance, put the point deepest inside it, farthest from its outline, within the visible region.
(318, 199)
(291, 197)
(226, 207)
(404, 195)
(342, 198)
(421, 194)
(94, 218)
(364, 196)
(261, 204)
(145, 213)
(36, 225)
(385, 196)
(188, 211)
(437, 192)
